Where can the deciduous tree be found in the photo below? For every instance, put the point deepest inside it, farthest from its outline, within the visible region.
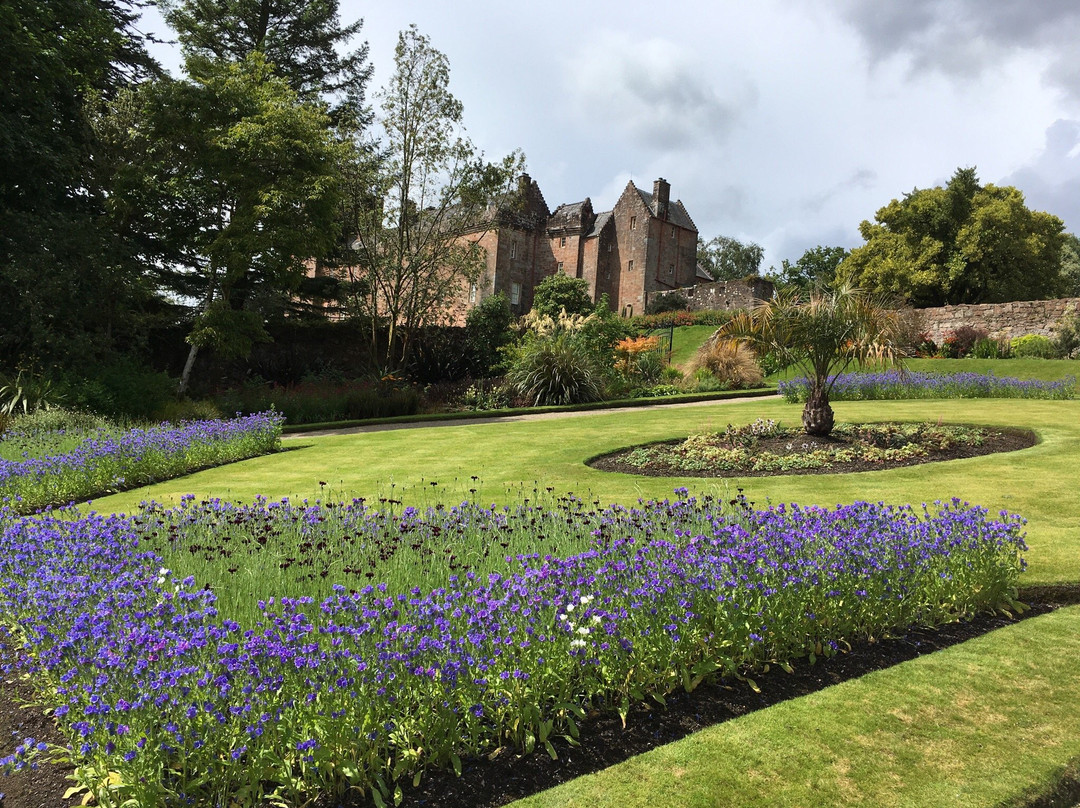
(963, 243)
(425, 202)
(728, 259)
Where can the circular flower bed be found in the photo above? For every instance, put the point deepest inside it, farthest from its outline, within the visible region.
(766, 448)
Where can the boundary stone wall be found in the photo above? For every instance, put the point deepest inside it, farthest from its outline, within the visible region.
(1001, 320)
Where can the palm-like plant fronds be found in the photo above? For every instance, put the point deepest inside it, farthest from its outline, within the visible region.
(823, 335)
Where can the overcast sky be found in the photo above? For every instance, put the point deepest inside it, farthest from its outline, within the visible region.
(782, 122)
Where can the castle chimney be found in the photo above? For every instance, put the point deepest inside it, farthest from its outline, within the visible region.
(661, 194)
(524, 183)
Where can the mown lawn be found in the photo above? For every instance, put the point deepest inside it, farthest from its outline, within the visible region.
(1038, 483)
(981, 724)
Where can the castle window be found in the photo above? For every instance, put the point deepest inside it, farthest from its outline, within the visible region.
(472, 293)
(671, 269)
(513, 249)
(673, 232)
(515, 294)
(562, 241)
(633, 222)
(609, 247)
(630, 265)
(560, 266)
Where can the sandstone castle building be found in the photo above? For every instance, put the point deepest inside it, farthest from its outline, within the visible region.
(646, 245)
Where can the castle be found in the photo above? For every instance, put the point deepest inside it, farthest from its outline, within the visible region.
(646, 245)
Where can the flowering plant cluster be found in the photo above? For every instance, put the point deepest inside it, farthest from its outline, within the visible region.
(168, 700)
(896, 384)
(105, 460)
(767, 446)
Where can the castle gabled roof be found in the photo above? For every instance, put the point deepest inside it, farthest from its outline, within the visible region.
(677, 214)
(600, 223)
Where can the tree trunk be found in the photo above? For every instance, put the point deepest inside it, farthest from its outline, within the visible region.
(817, 415)
(188, 365)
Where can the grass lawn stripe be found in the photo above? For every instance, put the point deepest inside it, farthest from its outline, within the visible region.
(979, 724)
(1038, 483)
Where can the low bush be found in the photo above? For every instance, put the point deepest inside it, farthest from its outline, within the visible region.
(732, 363)
(650, 322)
(559, 369)
(1067, 336)
(989, 348)
(1032, 346)
(959, 342)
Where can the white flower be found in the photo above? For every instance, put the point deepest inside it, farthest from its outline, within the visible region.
(577, 643)
(562, 617)
(584, 632)
(570, 607)
(596, 619)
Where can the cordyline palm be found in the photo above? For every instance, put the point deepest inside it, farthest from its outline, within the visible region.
(823, 336)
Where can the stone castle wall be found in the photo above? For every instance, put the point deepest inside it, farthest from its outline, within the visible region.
(722, 295)
(1001, 320)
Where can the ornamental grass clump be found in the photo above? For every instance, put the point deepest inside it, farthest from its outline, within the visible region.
(895, 384)
(106, 460)
(168, 700)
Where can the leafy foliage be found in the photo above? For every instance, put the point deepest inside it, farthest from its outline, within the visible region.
(487, 327)
(815, 269)
(964, 243)
(823, 335)
(728, 259)
(560, 292)
(556, 370)
(1032, 346)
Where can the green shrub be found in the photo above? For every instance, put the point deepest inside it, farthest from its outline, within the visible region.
(960, 342)
(487, 329)
(676, 301)
(556, 370)
(644, 323)
(989, 348)
(560, 292)
(1067, 338)
(1032, 346)
(318, 402)
(125, 388)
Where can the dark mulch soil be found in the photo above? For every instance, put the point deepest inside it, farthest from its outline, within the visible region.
(604, 741)
(1001, 439)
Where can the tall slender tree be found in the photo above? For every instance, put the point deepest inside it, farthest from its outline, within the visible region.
(421, 203)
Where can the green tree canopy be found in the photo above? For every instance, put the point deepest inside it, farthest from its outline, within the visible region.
(963, 243)
(68, 283)
(559, 291)
(304, 41)
(235, 178)
(728, 259)
(815, 269)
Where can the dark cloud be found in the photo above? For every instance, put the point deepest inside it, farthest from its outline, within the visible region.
(965, 37)
(1051, 182)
